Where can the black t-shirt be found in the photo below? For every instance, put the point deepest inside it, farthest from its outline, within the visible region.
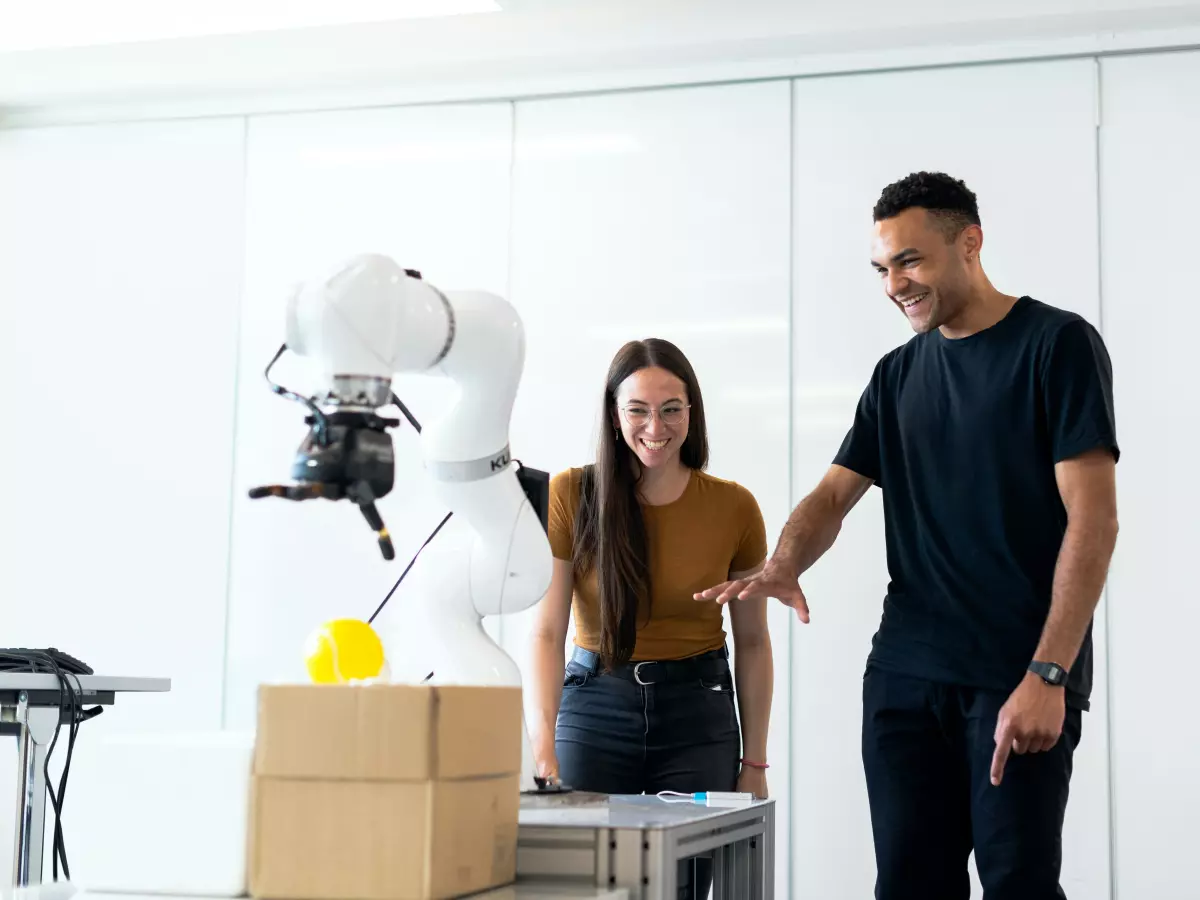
(962, 435)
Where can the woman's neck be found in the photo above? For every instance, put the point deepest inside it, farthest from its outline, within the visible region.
(658, 487)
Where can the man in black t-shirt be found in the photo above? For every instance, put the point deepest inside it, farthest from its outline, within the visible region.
(992, 435)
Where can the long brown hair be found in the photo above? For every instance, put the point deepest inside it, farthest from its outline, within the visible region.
(610, 533)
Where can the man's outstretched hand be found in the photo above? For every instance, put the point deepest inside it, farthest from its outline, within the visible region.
(772, 581)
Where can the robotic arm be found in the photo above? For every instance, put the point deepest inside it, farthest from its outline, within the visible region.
(371, 319)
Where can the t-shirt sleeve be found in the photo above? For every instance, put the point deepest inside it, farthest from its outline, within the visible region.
(859, 451)
(561, 520)
(1078, 393)
(752, 544)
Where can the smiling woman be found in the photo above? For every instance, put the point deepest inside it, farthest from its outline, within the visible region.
(647, 701)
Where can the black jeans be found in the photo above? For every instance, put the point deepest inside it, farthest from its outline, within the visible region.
(927, 751)
(675, 731)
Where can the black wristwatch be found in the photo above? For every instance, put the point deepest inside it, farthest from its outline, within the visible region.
(1051, 673)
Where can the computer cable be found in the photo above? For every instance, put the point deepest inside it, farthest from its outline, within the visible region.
(709, 798)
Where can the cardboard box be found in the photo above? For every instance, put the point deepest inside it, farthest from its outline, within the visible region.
(384, 792)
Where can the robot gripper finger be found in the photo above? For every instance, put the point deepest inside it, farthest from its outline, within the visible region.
(313, 491)
(371, 514)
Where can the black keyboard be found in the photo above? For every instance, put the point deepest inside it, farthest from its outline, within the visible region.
(24, 660)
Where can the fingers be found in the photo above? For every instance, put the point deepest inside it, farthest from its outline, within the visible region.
(786, 592)
(1011, 739)
(800, 604)
(1043, 742)
(722, 593)
(738, 590)
(757, 589)
(730, 590)
(1034, 741)
(1005, 734)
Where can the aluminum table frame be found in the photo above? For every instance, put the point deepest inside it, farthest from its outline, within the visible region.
(637, 842)
(30, 709)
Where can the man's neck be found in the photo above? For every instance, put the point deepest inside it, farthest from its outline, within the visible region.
(984, 308)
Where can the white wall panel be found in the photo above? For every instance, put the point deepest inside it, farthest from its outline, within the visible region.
(660, 214)
(120, 265)
(120, 273)
(430, 187)
(1022, 137)
(1149, 191)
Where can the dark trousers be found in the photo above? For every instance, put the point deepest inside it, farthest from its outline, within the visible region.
(675, 731)
(927, 752)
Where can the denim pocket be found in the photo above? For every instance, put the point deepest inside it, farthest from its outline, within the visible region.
(576, 675)
(718, 684)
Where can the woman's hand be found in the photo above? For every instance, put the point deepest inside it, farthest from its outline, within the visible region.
(547, 767)
(753, 781)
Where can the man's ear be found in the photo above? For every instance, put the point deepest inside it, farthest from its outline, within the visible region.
(971, 242)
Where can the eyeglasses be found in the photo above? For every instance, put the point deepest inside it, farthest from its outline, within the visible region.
(637, 414)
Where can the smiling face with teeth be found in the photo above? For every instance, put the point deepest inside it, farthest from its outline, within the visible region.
(652, 415)
(925, 267)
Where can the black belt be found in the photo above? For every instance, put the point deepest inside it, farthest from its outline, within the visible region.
(646, 672)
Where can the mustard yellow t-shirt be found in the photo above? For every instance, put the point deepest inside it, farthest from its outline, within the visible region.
(714, 528)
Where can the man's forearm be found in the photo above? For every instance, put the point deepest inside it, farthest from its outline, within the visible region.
(811, 530)
(1079, 578)
(754, 674)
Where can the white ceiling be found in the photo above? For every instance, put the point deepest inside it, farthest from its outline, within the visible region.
(56, 24)
(528, 39)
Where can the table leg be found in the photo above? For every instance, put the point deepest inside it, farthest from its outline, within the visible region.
(36, 731)
(754, 867)
(765, 865)
(662, 867)
(743, 855)
(722, 887)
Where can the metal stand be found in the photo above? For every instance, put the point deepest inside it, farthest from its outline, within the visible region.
(35, 731)
(30, 707)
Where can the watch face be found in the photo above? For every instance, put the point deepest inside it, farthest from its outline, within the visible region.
(1050, 672)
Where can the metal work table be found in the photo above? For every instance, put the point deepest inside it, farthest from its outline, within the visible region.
(636, 842)
(537, 889)
(30, 709)
(548, 889)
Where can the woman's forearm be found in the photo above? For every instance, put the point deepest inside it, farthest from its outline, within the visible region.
(754, 676)
(548, 659)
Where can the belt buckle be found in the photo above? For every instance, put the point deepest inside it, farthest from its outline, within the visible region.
(637, 672)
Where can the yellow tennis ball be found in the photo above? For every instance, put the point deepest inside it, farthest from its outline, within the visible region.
(343, 650)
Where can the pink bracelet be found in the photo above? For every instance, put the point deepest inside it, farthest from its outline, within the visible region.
(756, 765)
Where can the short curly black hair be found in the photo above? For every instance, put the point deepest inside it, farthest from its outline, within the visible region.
(947, 199)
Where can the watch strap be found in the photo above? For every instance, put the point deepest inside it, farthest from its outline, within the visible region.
(1049, 672)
